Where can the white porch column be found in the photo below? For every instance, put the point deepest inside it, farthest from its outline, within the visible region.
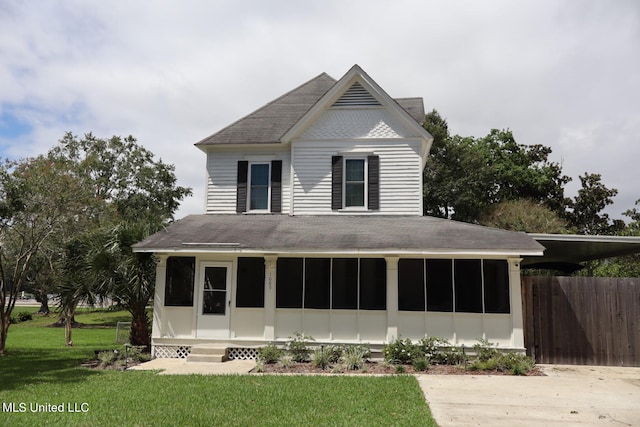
(517, 333)
(158, 297)
(269, 297)
(392, 297)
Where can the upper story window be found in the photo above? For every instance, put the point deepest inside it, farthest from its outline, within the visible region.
(259, 186)
(355, 182)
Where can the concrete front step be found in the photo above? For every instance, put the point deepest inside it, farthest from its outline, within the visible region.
(205, 353)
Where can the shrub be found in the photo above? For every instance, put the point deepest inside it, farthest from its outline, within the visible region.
(286, 361)
(421, 363)
(23, 316)
(517, 364)
(298, 347)
(259, 366)
(449, 356)
(107, 357)
(431, 346)
(401, 351)
(334, 353)
(355, 356)
(320, 359)
(485, 350)
(400, 369)
(269, 354)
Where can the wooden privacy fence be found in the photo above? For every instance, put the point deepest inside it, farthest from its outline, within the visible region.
(582, 320)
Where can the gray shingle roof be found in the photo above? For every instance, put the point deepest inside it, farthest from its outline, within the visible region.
(282, 233)
(268, 124)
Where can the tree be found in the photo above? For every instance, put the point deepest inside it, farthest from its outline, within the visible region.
(465, 176)
(523, 215)
(126, 176)
(141, 194)
(623, 266)
(125, 276)
(455, 174)
(36, 196)
(586, 214)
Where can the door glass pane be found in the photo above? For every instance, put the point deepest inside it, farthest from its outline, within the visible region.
(215, 278)
(214, 293)
(214, 302)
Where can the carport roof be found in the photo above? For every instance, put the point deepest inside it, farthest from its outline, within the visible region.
(566, 251)
(336, 234)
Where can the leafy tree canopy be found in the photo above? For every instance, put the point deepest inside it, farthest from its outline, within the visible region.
(466, 175)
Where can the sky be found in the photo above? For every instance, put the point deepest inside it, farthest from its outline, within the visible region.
(562, 73)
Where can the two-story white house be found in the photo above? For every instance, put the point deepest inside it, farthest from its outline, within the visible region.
(314, 224)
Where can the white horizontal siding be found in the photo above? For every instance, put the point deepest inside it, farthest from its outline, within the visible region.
(222, 171)
(353, 123)
(400, 175)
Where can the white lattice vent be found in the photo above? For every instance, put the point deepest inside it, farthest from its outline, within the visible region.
(242, 353)
(171, 351)
(356, 96)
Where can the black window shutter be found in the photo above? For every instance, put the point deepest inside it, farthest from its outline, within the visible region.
(276, 186)
(374, 182)
(241, 196)
(336, 182)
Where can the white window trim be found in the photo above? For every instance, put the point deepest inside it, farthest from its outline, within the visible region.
(268, 209)
(344, 183)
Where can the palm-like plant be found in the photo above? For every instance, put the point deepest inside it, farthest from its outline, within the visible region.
(126, 277)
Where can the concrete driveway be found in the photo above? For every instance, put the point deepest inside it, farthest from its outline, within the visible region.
(568, 395)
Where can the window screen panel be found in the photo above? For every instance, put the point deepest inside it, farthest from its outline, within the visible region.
(373, 284)
(439, 285)
(496, 286)
(468, 285)
(250, 282)
(289, 282)
(344, 283)
(180, 278)
(411, 285)
(316, 285)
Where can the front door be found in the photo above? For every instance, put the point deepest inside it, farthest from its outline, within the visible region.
(214, 300)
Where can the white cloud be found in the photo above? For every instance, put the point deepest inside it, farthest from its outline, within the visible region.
(564, 74)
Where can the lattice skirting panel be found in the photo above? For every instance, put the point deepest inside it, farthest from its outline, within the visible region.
(171, 351)
(242, 353)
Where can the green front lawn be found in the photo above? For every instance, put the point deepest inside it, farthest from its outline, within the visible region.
(39, 370)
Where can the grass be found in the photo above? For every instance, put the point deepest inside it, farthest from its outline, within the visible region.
(40, 370)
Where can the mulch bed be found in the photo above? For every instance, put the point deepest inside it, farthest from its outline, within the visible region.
(379, 368)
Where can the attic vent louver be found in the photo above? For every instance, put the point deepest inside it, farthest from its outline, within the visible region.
(356, 96)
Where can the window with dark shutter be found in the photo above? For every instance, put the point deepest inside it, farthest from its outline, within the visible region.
(241, 194)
